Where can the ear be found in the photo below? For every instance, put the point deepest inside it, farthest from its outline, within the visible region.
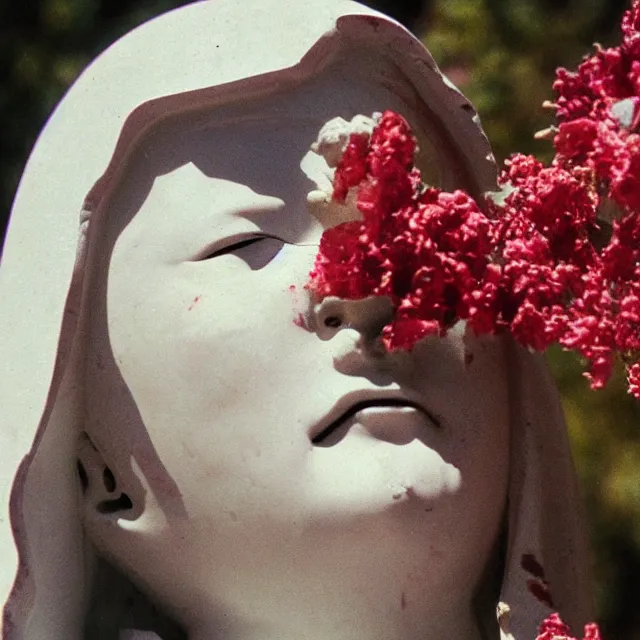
(102, 493)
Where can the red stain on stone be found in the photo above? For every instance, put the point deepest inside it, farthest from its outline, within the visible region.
(193, 304)
(374, 22)
(540, 592)
(538, 585)
(299, 321)
(531, 565)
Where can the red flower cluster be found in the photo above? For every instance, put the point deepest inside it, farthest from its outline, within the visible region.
(554, 629)
(598, 109)
(425, 249)
(539, 263)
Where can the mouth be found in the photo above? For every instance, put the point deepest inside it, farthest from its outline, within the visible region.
(324, 432)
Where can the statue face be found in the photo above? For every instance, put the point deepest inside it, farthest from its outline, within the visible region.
(235, 374)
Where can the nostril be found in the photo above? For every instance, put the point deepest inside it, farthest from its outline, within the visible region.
(109, 480)
(332, 322)
(82, 475)
(123, 503)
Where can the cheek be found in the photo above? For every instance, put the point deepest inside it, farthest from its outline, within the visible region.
(208, 331)
(482, 433)
(468, 388)
(484, 470)
(480, 447)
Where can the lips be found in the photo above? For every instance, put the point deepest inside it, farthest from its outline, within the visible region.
(342, 414)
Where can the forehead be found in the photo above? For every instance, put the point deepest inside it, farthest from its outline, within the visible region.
(195, 175)
(260, 142)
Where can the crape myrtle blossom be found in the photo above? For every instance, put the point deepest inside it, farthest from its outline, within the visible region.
(425, 249)
(554, 629)
(553, 258)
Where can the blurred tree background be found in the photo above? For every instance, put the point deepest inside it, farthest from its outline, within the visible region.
(502, 54)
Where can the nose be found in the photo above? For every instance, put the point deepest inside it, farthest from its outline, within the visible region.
(367, 317)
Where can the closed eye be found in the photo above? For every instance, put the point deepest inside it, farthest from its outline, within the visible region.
(255, 250)
(232, 247)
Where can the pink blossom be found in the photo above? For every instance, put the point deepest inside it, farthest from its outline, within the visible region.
(539, 264)
(554, 629)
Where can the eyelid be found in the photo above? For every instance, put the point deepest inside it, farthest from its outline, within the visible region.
(232, 243)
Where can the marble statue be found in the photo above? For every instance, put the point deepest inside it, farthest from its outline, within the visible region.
(190, 448)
